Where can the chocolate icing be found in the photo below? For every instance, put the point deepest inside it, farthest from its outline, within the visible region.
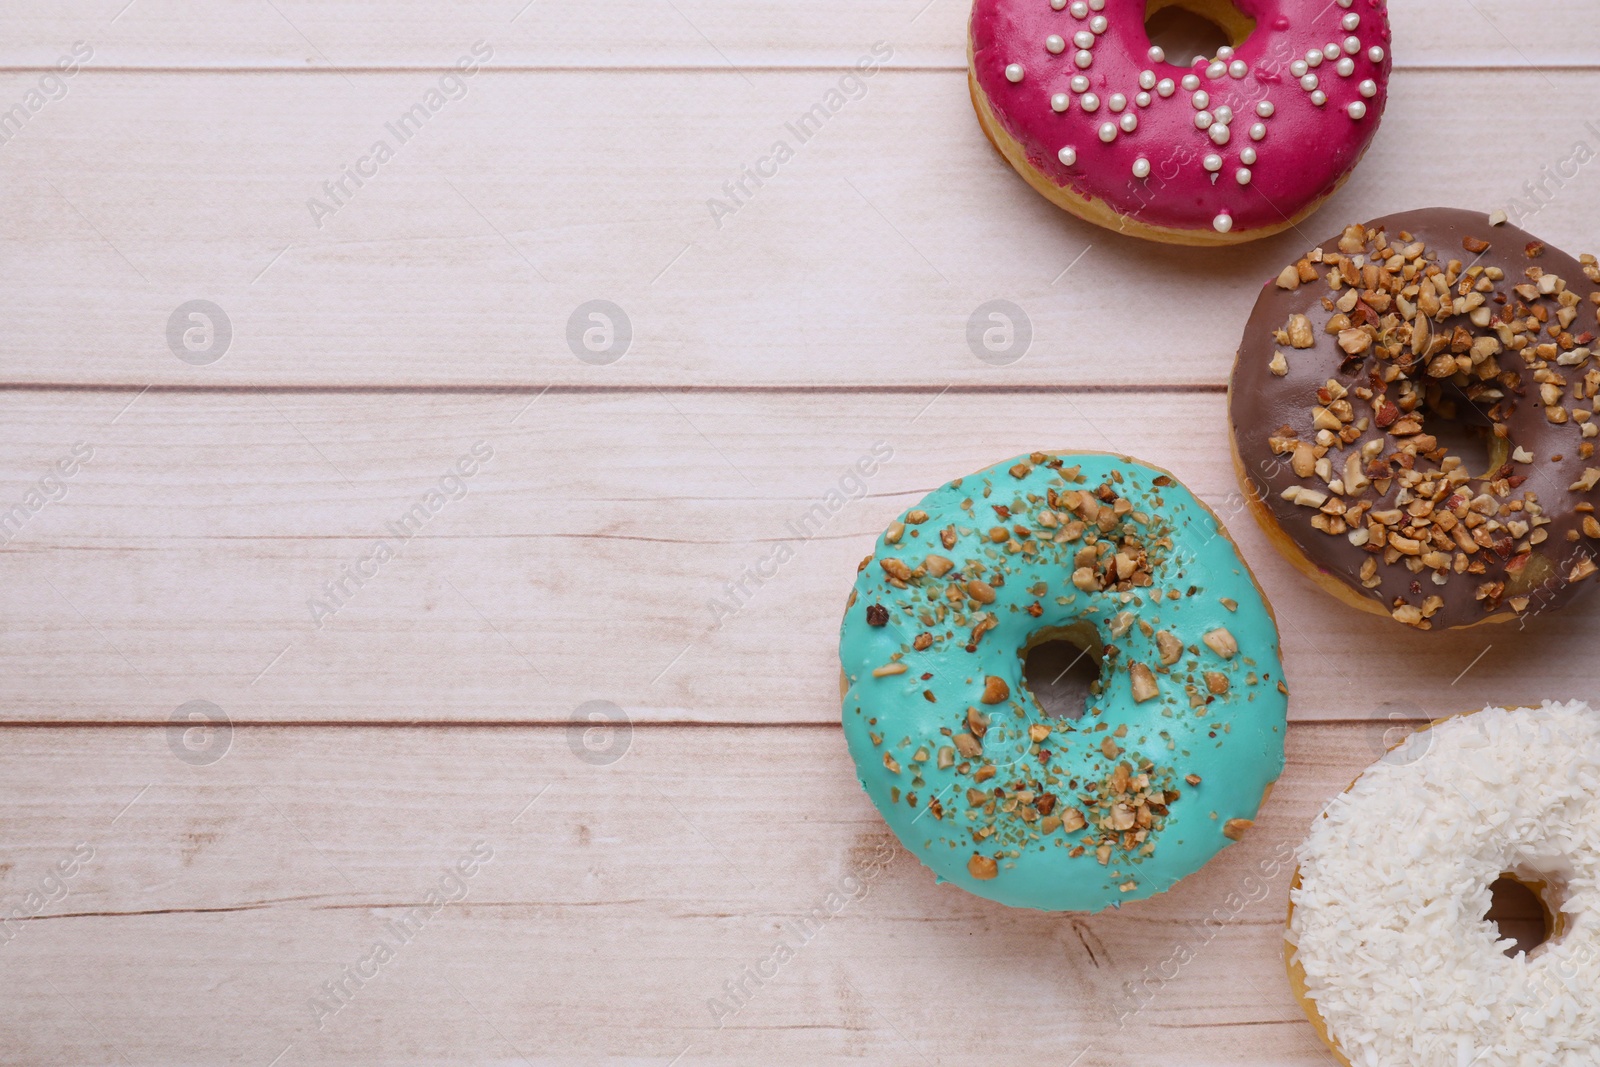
(1539, 573)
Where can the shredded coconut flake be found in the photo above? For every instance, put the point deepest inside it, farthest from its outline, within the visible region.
(1394, 883)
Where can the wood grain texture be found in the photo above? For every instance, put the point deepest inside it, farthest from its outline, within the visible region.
(364, 34)
(616, 905)
(464, 259)
(587, 558)
(233, 871)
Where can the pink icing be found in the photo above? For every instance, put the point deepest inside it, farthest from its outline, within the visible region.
(1306, 149)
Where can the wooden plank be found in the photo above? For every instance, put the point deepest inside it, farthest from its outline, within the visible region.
(466, 260)
(586, 560)
(617, 903)
(361, 34)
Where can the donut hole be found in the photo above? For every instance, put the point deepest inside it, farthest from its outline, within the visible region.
(1186, 29)
(1520, 911)
(1061, 668)
(1480, 451)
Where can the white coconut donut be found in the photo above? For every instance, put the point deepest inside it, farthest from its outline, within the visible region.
(1388, 944)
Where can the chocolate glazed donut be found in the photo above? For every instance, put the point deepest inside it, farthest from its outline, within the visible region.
(1366, 373)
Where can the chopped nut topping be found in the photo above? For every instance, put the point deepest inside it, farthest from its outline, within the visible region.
(1420, 339)
(1013, 789)
(982, 868)
(1222, 643)
(977, 722)
(1144, 683)
(1299, 331)
(1235, 828)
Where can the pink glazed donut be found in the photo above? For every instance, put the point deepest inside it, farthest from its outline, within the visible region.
(1226, 150)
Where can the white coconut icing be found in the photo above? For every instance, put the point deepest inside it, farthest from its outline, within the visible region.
(1388, 919)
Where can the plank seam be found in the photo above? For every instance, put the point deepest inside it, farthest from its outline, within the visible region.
(782, 68)
(575, 389)
(531, 724)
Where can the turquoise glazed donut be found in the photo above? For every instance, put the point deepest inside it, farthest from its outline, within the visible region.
(1184, 732)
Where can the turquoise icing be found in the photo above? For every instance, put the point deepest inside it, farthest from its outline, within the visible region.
(916, 745)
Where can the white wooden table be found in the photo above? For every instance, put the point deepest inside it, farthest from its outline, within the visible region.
(176, 893)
